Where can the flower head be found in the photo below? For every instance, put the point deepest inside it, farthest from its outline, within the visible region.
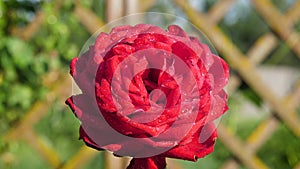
(149, 94)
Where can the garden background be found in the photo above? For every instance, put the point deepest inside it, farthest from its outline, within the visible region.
(260, 39)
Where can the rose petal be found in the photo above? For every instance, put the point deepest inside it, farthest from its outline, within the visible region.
(219, 106)
(176, 30)
(194, 149)
(88, 141)
(219, 73)
(155, 162)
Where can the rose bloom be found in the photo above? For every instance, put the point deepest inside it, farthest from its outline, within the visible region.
(149, 94)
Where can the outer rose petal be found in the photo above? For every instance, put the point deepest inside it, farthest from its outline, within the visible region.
(83, 109)
(195, 149)
(93, 122)
(219, 72)
(156, 162)
(88, 141)
(219, 106)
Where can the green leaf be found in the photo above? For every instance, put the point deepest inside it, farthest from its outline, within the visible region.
(8, 68)
(20, 51)
(20, 95)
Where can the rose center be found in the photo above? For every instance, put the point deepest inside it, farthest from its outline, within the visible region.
(157, 98)
(158, 102)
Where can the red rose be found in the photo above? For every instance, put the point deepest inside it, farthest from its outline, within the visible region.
(149, 94)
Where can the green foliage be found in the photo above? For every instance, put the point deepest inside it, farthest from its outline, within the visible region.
(286, 147)
(21, 53)
(283, 55)
(24, 64)
(238, 25)
(97, 162)
(283, 5)
(23, 157)
(60, 129)
(20, 81)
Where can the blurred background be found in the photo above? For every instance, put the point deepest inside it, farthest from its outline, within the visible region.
(260, 39)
